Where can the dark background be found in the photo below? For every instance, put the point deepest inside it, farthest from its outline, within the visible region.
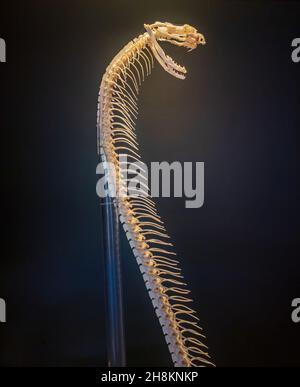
(238, 111)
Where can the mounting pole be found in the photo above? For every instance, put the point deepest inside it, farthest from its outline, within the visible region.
(113, 282)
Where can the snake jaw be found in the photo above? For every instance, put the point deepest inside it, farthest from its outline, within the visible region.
(182, 36)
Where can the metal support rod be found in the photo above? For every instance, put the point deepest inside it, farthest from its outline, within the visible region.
(113, 284)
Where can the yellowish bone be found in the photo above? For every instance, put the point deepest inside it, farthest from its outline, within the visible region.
(117, 114)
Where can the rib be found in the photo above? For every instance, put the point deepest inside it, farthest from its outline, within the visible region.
(146, 233)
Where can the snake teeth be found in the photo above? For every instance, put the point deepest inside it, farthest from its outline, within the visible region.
(177, 67)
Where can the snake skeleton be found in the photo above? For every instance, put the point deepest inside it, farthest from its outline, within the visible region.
(150, 243)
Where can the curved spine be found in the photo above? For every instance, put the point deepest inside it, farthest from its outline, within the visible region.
(117, 113)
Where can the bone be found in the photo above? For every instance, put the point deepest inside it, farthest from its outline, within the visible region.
(146, 233)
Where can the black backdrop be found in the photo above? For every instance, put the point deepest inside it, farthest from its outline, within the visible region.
(238, 111)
